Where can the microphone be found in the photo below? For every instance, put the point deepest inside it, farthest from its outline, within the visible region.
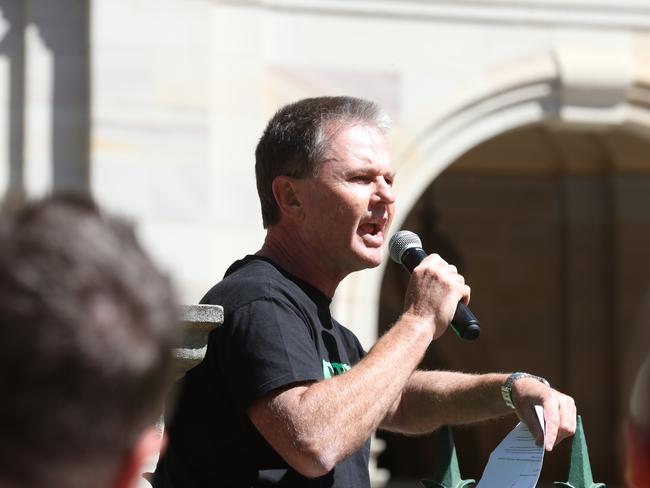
(405, 248)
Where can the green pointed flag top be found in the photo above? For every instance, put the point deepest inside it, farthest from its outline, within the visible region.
(447, 472)
(580, 469)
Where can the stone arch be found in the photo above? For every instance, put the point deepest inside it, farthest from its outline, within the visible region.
(573, 87)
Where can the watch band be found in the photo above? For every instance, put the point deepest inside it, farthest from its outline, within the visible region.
(506, 388)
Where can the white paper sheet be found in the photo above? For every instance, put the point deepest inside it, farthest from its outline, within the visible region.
(517, 460)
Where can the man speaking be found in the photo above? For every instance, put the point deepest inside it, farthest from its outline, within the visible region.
(286, 396)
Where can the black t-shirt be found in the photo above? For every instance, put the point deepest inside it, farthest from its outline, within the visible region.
(277, 331)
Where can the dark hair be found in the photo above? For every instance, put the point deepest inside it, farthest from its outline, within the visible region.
(87, 324)
(297, 137)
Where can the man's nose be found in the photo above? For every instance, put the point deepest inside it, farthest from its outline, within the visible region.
(384, 192)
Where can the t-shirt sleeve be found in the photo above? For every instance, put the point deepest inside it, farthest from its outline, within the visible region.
(268, 345)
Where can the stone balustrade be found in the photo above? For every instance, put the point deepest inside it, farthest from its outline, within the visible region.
(197, 321)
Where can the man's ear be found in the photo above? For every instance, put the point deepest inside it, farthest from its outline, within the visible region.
(287, 196)
(140, 458)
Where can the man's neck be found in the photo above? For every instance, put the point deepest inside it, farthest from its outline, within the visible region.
(292, 255)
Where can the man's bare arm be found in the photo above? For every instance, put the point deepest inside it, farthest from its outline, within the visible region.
(434, 398)
(314, 426)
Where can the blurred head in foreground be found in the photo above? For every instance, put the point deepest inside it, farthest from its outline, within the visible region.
(86, 331)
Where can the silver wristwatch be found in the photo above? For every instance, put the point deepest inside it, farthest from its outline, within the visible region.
(506, 388)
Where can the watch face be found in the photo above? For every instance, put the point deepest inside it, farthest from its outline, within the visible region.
(516, 376)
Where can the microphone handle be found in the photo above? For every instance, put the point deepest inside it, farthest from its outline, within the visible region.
(464, 324)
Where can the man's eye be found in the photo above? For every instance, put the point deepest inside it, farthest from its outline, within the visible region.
(362, 178)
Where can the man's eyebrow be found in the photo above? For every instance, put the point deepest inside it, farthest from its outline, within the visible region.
(329, 159)
(390, 174)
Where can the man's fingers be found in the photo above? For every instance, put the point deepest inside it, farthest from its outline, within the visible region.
(467, 292)
(560, 415)
(559, 411)
(552, 420)
(529, 417)
(568, 418)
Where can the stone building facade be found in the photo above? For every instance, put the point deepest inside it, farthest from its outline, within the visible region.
(520, 139)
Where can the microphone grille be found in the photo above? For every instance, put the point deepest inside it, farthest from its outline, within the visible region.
(400, 242)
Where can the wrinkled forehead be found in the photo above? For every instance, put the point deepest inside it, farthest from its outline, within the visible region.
(343, 138)
(358, 148)
(331, 129)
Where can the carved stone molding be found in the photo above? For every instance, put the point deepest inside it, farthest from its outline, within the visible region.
(633, 14)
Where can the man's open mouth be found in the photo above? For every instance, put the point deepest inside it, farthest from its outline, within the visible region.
(372, 228)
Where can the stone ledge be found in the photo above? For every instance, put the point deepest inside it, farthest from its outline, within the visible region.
(197, 321)
(196, 316)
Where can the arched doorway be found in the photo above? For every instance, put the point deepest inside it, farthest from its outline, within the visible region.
(592, 113)
(551, 229)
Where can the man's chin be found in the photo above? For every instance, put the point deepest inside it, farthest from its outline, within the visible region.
(370, 260)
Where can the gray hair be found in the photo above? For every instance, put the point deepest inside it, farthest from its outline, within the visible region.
(297, 138)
